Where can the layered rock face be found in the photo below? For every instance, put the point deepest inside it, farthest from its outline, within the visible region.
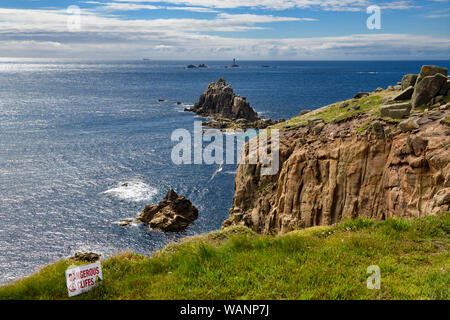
(219, 100)
(369, 164)
(173, 213)
(324, 181)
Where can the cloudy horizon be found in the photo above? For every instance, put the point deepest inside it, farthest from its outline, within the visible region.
(223, 29)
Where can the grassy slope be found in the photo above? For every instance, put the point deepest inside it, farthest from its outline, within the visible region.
(315, 263)
(368, 105)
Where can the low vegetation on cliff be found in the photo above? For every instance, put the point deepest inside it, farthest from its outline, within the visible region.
(325, 262)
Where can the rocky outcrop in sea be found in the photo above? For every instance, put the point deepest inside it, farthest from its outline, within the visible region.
(226, 109)
(173, 213)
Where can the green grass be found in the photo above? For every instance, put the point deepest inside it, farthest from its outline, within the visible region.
(446, 120)
(446, 99)
(368, 105)
(236, 263)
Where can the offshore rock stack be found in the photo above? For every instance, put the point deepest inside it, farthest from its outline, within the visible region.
(226, 109)
(173, 213)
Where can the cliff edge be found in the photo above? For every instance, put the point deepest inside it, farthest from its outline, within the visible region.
(374, 156)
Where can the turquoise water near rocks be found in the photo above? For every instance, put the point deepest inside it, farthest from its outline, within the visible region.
(73, 133)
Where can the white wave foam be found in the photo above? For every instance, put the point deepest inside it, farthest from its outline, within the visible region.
(131, 221)
(181, 107)
(133, 191)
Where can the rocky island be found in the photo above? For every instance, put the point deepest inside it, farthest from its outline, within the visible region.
(173, 213)
(228, 110)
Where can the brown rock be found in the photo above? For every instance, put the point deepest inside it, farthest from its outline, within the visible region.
(405, 94)
(360, 95)
(426, 71)
(219, 100)
(395, 111)
(408, 80)
(322, 183)
(409, 124)
(417, 144)
(427, 89)
(343, 105)
(86, 257)
(173, 213)
(378, 129)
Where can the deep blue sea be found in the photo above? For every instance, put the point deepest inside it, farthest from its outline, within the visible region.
(72, 133)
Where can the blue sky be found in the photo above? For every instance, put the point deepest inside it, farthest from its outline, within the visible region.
(222, 29)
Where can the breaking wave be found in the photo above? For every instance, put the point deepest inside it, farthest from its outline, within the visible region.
(133, 191)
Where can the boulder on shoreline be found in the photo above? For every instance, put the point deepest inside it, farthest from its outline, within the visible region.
(173, 213)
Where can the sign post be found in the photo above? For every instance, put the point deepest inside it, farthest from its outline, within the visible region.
(83, 278)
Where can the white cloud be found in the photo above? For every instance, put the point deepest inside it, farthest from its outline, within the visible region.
(193, 9)
(56, 21)
(328, 5)
(44, 33)
(128, 6)
(194, 46)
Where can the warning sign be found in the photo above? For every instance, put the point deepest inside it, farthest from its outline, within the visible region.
(83, 278)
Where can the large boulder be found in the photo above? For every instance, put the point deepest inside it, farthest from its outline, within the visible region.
(427, 89)
(173, 213)
(427, 71)
(219, 100)
(408, 80)
(395, 111)
(360, 95)
(409, 124)
(405, 94)
(445, 89)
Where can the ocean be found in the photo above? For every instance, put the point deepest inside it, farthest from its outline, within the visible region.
(73, 133)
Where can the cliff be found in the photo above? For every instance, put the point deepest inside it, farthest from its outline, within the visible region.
(369, 157)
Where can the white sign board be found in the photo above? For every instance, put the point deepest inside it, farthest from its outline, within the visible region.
(83, 278)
